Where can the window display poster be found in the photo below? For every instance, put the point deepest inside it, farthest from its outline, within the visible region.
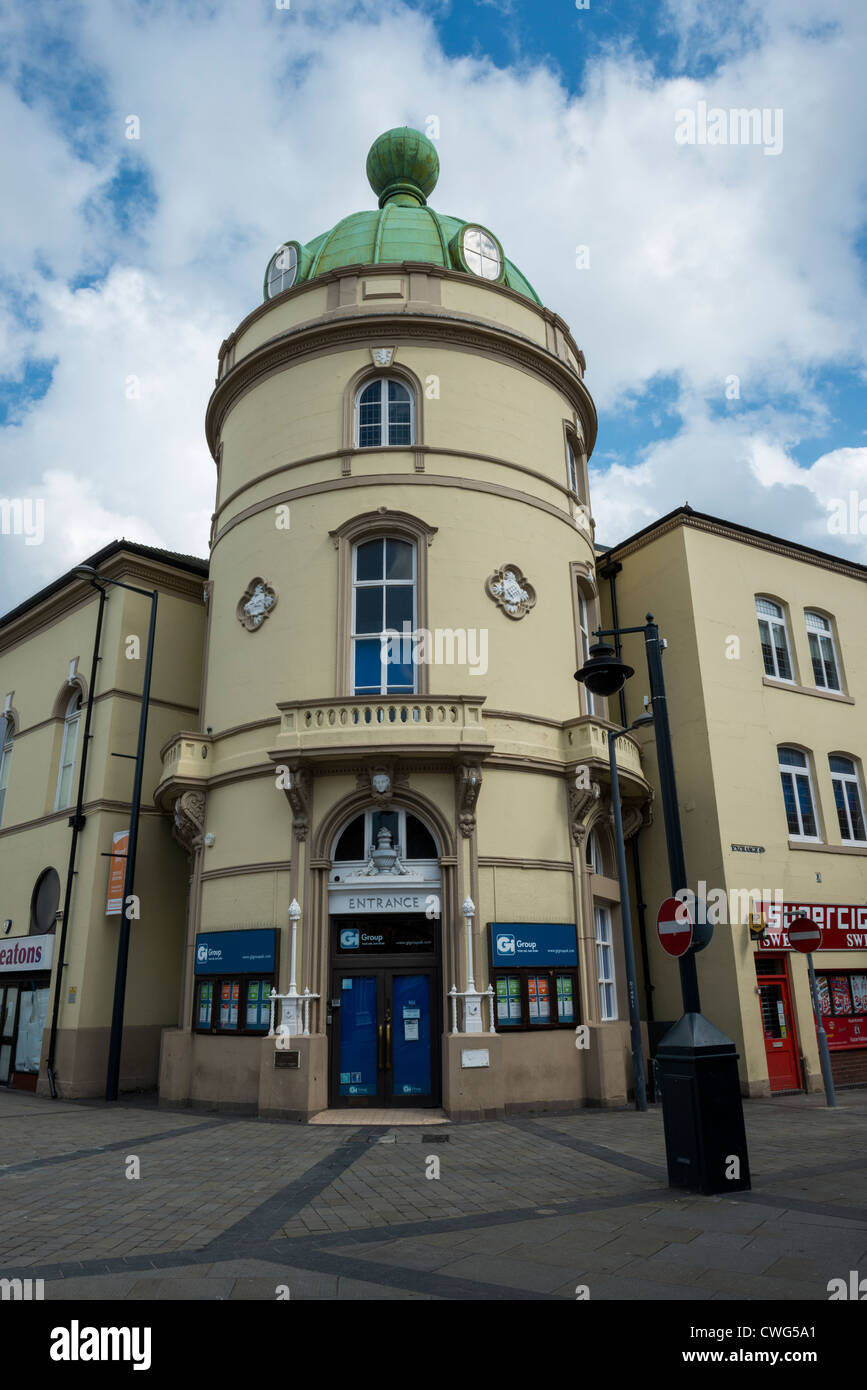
(509, 1000)
(540, 1004)
(859, 993)
(824, 996)
(840, 994)
(229, 991)
(206, 995)
(565, 1005)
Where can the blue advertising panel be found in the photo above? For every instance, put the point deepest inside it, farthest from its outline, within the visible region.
(251, 952)
(533, 943)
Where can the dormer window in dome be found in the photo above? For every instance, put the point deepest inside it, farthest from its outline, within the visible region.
(282, 269)
(481, 253)
(384, 415)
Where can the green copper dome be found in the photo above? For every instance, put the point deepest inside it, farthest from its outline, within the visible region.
(403, 168)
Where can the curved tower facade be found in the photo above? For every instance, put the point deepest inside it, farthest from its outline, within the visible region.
(392, 743)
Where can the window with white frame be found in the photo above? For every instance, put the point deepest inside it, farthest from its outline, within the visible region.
(67, 752)
(798, 796)
(848, 799)
(7, 738)
(584, 641)
(481, 253)
(594, 853)
(822, 654)
(283, 269)
(383, 617)
(774, 639)
(605, 963)
(384, 414)
(572, 467)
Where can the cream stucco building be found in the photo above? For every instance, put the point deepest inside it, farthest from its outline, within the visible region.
(766, 677)
(376, 865)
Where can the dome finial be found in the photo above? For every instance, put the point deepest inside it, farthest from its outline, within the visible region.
(403, 167)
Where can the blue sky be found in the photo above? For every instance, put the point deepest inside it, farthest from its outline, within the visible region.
(126, 262)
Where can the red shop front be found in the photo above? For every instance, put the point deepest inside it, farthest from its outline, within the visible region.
(842, 990)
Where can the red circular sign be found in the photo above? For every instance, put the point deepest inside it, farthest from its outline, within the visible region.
(804, 935)
(674, 927)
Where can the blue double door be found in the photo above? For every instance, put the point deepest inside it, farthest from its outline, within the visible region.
(385, 1037)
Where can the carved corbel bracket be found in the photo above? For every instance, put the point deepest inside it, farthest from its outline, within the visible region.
(581, 799)
(188, 821)
(299, 793)
(468, 781)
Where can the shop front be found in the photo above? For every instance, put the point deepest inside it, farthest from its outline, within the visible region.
(25, 977)
(841, 977)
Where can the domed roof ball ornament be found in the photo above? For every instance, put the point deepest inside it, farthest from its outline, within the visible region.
(403, 167)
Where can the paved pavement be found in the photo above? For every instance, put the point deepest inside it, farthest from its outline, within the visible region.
(528, 1208)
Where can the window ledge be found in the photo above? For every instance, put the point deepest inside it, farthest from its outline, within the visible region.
(807, 690)
(818, 848)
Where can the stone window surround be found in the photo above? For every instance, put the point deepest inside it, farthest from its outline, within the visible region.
(368, 526)
(363, 377)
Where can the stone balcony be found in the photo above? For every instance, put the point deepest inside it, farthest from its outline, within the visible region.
(408, 724)
(187, 762)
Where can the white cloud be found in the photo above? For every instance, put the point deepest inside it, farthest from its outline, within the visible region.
(255, 124)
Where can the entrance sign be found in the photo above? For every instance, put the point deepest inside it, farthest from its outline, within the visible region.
(805, 936)
(843, 926)
(247, 952)
(356, 902)
(674, 927)
(533, 943)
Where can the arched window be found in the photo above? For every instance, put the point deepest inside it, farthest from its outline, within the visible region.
(7, 738)
(282, 269)
(848, 799)
(798, 796)
(384, 414)
(595, 857)
(383, 617)
(44, 902)
(67, 752)
(408, 835)
(774, 639)
(822, 654)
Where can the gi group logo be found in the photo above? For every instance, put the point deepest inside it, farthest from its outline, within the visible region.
(349, 939)
(202, 954)
(506, 944)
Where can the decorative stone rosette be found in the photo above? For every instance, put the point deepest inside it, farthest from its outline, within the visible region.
(511, 591)
(256, 604)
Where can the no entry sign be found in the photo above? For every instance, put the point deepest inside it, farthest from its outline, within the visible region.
(674, 927)
(804, 935)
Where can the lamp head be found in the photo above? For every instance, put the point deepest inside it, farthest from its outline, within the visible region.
(604, 673)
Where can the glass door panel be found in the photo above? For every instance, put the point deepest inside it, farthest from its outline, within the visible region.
(360, 1036)
(411, 1036)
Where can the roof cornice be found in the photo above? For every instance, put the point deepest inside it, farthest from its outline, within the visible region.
(732, 531)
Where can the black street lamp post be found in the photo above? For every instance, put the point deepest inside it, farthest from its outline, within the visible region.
(703, 1116)
(116, 1038)
(626, 916)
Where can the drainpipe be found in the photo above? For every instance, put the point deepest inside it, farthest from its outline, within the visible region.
(77, 823)
(609, 572)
